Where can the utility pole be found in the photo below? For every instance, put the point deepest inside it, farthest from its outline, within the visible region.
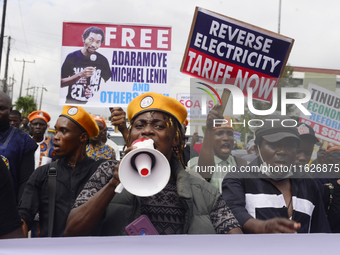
(2, 28)
(12, 88)
(23, 70)
(41, 96)
(33, 92)
(6, 67)
(28, 87)
(279, 16)
(30, 93)
(36, 98)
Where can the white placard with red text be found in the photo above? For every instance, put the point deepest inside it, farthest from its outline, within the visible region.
(139, 58)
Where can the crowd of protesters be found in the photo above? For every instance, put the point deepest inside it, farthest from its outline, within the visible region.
(66, 185)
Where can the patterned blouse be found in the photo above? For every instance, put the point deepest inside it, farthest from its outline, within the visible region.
(100, 151)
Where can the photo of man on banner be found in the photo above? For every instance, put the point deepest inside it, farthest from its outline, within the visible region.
(83, 69)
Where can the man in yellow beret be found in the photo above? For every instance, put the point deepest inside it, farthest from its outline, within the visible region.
(187, 204)
(96, 149)
(74, 128)
(216, 150)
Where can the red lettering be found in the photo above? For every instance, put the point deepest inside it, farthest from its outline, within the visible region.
(197, 104)
(187, 103)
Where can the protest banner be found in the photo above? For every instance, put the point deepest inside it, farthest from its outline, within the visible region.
(222, 50)
(111, 70)
(197, 113)
(237, 136)
(324, 107)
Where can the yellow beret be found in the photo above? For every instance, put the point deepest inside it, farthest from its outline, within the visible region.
(225, 125)
(39, 115)
(156, 102)
(100, 119)
(81, 118)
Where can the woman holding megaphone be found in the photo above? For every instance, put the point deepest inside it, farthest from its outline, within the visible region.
(175, 201)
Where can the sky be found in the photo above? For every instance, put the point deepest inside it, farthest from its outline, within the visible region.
(35, 27)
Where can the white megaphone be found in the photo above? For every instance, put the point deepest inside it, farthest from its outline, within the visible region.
(143, 171)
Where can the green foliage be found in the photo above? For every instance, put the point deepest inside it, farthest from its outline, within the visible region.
(25, 105)
(284, 82)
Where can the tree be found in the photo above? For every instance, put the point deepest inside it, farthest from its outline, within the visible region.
(26, 105)
(284, 82)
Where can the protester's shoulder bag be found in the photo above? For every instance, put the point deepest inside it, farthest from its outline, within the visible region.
(52, 185)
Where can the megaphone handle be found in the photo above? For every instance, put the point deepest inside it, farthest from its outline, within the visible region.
(119, 188)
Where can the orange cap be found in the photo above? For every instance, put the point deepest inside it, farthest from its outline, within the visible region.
(100, 119)
(39, 115)
(332, 147)
(226, 125)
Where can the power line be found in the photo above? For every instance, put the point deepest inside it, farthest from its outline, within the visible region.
(39, 56)
(22, 23)
(23, 27)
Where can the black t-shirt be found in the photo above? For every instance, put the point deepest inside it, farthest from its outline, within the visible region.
(69, 184)
(9, 216)
(74, 63)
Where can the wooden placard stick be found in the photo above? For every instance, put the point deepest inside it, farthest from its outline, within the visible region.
(116, 127)
(324, 145)
(224, 99)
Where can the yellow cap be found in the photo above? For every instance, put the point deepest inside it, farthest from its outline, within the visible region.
(156, 102)
(81, 118)
(39, 115)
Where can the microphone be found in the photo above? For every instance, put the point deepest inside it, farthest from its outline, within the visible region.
(93, 57)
